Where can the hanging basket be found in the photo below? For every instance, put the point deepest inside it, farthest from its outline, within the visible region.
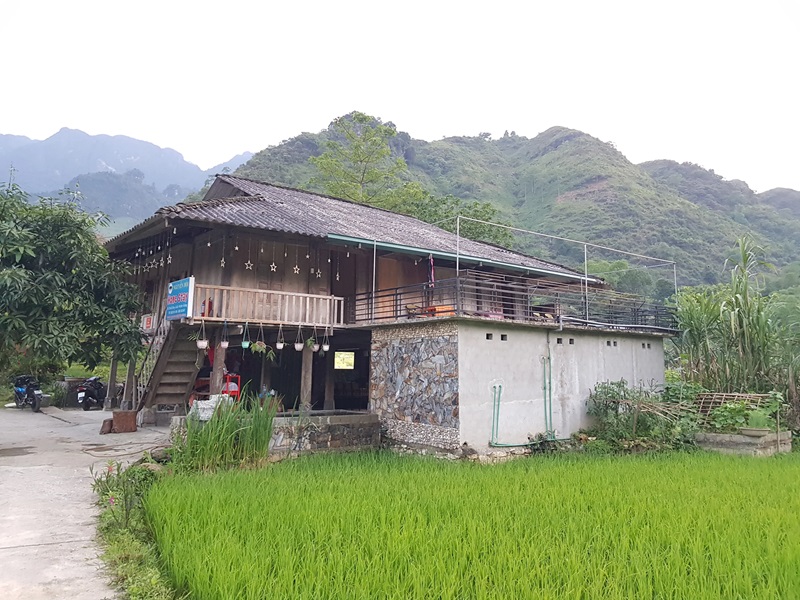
(280, 343)
(326, 345)
(202, 341)
(298, 341)
(245, 337)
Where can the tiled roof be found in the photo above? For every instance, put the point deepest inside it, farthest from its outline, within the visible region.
(276, 208)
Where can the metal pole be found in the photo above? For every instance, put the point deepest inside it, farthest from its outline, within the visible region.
(374, 267)
(458, 242)
(675, 277)
(586, 280)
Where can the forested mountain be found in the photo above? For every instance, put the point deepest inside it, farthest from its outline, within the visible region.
(568, 183)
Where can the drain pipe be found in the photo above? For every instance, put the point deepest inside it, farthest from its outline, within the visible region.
(497, 392)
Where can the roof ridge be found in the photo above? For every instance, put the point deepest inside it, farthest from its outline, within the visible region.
(181, 206)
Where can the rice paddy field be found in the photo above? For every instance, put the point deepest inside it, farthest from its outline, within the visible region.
(352, 526)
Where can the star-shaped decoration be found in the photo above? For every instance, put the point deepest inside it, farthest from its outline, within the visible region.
(337, 277)
(273, 267)
(307, 255)
(146, 267)
(248, 265)
(161, 262)
(169, 259)
(319, 274)
(222, 263)
(296, 270)
(236, 247)
(209, 244)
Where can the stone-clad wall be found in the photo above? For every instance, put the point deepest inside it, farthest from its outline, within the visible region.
(414, 373)
(312, 432)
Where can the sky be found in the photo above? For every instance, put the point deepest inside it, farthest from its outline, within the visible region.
(713, 83)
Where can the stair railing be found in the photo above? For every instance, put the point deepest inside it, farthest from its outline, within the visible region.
(150, 359)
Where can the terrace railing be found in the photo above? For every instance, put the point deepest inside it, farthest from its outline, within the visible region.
(232, 304)
(504, 297)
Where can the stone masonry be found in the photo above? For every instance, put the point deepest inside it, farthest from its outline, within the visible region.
(414, 373)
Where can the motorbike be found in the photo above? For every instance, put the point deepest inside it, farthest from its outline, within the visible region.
(91, 393)
(27, 392)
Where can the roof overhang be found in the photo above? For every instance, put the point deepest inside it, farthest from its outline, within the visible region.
(462, 258)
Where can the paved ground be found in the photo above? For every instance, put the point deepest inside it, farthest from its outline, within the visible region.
(48, 547)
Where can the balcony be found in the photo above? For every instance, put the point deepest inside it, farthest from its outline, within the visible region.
(479, 295)
(237, 305)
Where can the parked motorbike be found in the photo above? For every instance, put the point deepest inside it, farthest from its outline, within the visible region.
(27, 392)
(91, 393)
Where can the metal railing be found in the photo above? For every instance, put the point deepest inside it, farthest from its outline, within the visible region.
(231, 304)
(506, 297)
(145, 370)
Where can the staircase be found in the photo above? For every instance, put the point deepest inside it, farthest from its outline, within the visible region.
(173, 374)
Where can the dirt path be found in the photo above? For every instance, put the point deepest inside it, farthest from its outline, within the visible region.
(48, 520)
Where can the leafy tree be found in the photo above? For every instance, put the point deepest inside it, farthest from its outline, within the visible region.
(359, 164)
(61, 297)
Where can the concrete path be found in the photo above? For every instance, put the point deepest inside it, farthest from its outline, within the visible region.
(48, 547)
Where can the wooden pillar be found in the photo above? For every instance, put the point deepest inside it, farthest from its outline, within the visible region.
(218, 370)
(305, 377)
(111, 390)
(330, 403)
(130, 386)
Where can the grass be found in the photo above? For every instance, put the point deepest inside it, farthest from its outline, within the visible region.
(691, 526)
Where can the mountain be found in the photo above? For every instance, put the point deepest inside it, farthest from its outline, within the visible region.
(48, 164)
(566, 183)
(229, 166)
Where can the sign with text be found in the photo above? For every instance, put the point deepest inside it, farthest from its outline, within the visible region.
(180, 299)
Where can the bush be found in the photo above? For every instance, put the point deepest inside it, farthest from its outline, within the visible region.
(624, 415)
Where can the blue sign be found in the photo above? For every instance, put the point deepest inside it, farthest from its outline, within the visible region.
(180, 299)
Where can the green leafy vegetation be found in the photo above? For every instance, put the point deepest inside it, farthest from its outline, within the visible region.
(61, 298)
(679, 525)
(233, 437)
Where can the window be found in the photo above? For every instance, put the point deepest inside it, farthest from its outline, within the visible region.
(489, 336)
(503, 337)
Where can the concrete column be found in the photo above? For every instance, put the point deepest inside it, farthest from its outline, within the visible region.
(330, 402)
(218, 370)
(305, 377)
(130, 386)
(112, 384)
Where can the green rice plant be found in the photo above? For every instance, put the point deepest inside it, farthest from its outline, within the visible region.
(690, 526)
(238, 434)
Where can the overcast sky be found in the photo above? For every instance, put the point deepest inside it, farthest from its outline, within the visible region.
(715, 83)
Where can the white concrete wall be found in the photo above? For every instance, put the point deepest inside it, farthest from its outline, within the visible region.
(516, 363)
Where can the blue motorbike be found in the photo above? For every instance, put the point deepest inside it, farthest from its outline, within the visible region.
(27, 392)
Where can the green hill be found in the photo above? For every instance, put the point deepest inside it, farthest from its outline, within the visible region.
(567, 183)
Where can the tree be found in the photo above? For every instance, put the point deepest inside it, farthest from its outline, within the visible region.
(61, 297)
(359, 165)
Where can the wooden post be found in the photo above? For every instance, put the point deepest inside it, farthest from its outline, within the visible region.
(330, 402)
(218, 370)
(111, 390)
(305, 377)
(130, 385)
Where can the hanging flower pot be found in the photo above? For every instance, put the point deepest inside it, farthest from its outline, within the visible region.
(280, 343)
(298, 346)
(202, 341)
(225, 342)
(315, 347)
(245, 337)
(298, 341)
(326, 345)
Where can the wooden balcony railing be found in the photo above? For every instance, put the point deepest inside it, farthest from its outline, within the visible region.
(220, 303)
(487, 296)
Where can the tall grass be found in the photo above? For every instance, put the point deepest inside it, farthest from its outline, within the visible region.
(730, 337)
(234, 436)
(685, 526)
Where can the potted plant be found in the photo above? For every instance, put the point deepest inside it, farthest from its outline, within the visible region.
(759, 423)
(245, 337)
